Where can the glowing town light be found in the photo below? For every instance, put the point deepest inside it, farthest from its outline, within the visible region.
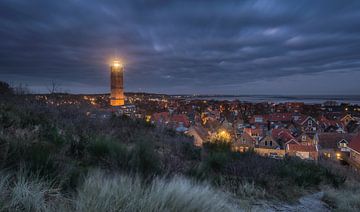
(338, 156)
(222, 135)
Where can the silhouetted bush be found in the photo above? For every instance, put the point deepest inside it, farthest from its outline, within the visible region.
(5, 88)
(144, 159)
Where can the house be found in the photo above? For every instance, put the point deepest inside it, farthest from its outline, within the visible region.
(307, 124)
(280, 117)
(259, 119)
(306, 152)
(162, 118)
(256, 133)
(178, 120)
(331, 125)
(282, 136)
(244, 143)
(269, 142)
(354, 147)
(199, 133)
(306, 139)
(347, 119)
(332, 144)
(175, 121)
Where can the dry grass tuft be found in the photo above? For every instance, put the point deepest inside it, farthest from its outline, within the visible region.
(346, 198)
(124, 193)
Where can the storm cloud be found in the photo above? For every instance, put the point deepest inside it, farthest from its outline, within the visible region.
(184, 46)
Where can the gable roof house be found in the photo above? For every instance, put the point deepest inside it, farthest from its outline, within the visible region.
(306, 139)
(199, 133)
(306, 152)
(332, 144)
(244, 143)
(347, 119)
(354, 147)
(282, 136)
(331, 125)
(308, 124)
(269, 142)
(280, 117)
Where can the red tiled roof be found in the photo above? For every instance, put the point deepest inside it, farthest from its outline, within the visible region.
(166, 117)
(181, 118)
(160, 117)
(331, 140)
(355, 143)
(280, 117)
(264, 117)
(301, 148)
(326, 122)
(251, 131)
(302, 119)
(283, 134)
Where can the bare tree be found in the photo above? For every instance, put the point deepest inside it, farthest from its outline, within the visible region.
(54, 87)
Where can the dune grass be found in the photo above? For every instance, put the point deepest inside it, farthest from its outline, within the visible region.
(346, 198)
(125, 193)
(24, 192)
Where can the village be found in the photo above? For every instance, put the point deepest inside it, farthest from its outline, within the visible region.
(329, 131)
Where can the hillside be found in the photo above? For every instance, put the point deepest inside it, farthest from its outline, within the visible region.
(56, 158)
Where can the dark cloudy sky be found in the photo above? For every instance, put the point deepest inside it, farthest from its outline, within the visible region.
(184, 46)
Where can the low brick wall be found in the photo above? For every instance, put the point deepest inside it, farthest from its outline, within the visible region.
(266, 152)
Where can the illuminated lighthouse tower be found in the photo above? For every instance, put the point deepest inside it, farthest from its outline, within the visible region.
(117, 84)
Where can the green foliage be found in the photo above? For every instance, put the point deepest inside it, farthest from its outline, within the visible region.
(62, 145)
(190, 151)
(217, 146)
(144, 158)
(110, 150)
(99, 147)
(217, 154)
(308, 174)
(51, 134)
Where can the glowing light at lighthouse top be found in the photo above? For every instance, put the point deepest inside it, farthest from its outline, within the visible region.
(117, 63)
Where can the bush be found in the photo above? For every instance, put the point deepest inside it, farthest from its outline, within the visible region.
(308, 174)
(36, 157)
(110, 151)
(5, 88)
(99, 147)
(144, 159)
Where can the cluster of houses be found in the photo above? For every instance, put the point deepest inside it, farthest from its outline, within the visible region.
(274, 134)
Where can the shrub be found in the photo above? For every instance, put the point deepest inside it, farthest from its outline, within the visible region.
(5, 88)
(99, 147)
(308, 174)
(144, 159)
(110, 151)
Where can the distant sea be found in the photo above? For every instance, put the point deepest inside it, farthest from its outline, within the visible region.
(313, 99)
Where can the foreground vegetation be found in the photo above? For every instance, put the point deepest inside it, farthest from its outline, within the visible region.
(59, 159)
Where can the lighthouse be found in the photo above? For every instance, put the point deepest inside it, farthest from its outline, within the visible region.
(117, 97)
